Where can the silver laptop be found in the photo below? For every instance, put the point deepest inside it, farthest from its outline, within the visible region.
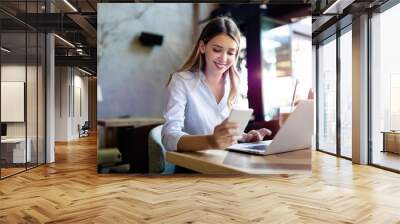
(295, 134)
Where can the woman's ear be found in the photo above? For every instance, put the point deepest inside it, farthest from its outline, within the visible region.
(202, 47)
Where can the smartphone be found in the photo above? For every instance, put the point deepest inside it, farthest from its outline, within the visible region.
(242, 117)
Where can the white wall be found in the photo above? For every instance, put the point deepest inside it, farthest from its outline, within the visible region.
(17, 73)
(33, 126)
(132, 77)
(11, 73)
(67, 115)
(61, 123)
(79, 117)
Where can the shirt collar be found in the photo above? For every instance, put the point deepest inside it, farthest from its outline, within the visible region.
(202, 76)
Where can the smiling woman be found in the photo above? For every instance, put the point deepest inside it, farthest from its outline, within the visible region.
(220, 53)
(202, 93)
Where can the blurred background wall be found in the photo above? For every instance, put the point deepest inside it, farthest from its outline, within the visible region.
(123, 59)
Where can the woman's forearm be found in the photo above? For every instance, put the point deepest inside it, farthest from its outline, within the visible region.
(195, 143)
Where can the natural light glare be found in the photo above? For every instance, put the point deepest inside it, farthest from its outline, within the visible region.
(287, 69)
(327, 97)
(346, 93)
(385, 79)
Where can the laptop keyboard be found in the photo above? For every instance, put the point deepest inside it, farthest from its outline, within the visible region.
(258, 147)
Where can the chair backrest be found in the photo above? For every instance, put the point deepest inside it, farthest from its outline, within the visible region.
(155, 135)
(156, 151)
(86, 125)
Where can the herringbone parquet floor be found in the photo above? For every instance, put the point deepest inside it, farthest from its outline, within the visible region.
(70, 191)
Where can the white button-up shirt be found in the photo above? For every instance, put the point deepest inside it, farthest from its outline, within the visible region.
(192, 108)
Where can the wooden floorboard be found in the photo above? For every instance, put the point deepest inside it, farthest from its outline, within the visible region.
(386, 159)
(71, 191)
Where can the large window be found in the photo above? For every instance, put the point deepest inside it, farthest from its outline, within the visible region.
(286, 66)
(346, 93)
(385, 84)
(335, 74)
(22, 80)
(327, 96)
(334, 138)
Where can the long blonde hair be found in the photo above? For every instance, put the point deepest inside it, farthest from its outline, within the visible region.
(195, 62)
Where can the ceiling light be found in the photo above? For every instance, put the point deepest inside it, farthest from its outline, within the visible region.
(65, 41)
(70, 5)
(86, 72)
(329, 9)
(5, 50)
(99, 94)
(337, 7)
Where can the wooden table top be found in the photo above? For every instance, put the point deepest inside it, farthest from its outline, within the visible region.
(130, 121)
(214, 161)
(391, 132)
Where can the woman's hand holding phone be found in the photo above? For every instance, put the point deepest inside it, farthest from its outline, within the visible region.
(225, 134)
(231, 130)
